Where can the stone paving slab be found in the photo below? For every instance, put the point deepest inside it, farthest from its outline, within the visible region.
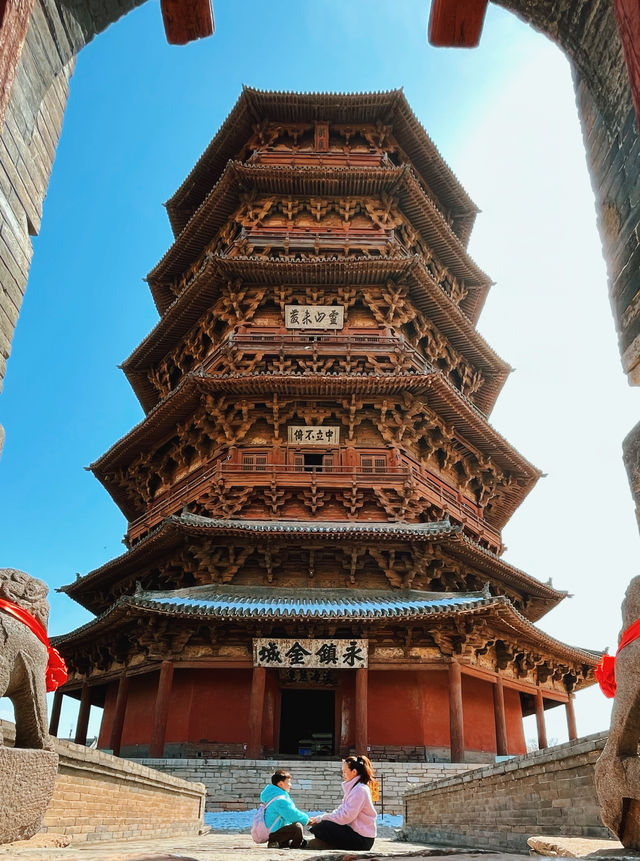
(580, 847)
(226, 847)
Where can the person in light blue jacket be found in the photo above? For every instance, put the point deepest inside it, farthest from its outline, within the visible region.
(282, 817)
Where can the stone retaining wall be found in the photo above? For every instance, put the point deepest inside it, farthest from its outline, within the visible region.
(498, 807)
(233, 784)
(102, 797)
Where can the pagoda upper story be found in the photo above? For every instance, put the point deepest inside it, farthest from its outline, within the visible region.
(316, 356)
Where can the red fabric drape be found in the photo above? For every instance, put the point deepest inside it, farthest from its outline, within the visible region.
(605, 672)
(56, 672)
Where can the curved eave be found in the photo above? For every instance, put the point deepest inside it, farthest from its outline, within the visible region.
(543, 595)
(498, 612)
(223, 199)
(183, 312)
(175, 530)
(269, 610)
(455, 409)
(351, 108)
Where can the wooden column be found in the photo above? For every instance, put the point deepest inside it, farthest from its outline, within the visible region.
(55, 712)
(256, 709)
(362, 687)
(500, 719)
(456, 720)
(83, 715)
(161, 710)
(118, 718)
(542, 730)
(571, 719)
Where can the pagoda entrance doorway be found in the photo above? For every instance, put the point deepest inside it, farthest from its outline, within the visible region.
(307, 723)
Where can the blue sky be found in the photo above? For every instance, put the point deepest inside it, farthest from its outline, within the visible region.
(141, 112)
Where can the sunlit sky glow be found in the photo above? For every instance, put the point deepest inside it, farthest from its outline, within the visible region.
(504, 118)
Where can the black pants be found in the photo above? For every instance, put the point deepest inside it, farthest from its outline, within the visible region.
(340, 836)
(288, 835)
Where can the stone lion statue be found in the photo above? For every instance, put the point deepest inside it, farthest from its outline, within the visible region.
(618, 768)
(23, 659)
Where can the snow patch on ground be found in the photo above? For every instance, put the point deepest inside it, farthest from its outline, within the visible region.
(239, 821)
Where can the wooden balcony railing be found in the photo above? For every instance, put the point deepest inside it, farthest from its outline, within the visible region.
(320, 159)
(319, 344)
(434, 490)
(306, 239)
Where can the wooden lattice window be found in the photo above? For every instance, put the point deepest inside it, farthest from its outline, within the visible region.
(254, 462)
(371, 463)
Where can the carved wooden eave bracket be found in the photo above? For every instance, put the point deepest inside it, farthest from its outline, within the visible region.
(212, 278)
(352, 108)
(174, 533)
(222, 200)
(186, 398)
(455, 621)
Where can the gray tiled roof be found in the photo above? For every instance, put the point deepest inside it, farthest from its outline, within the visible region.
(324, 527)
(319, 603)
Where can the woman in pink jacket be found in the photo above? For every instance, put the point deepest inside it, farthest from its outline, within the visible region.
(353, 824)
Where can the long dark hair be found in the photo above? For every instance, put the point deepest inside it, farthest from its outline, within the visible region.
(361, 764)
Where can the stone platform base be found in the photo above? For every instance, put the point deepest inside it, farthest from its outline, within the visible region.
(27, 781)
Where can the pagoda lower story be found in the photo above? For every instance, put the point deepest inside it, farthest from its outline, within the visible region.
(228, 671)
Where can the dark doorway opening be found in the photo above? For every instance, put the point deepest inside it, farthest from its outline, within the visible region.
(307, 723)
(312, 462)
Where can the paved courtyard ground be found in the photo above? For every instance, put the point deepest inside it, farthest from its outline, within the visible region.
(220, 847)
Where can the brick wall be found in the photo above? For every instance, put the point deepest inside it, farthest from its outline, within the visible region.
(236, 784)
(498, 807)
(102, 797)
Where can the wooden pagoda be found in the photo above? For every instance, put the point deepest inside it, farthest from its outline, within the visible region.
(315, 496)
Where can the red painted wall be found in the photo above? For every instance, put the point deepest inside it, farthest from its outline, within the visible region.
(408, 708)
(435, 708)
(412, 708)
(405, 708)
(220, 710)
(205, 704)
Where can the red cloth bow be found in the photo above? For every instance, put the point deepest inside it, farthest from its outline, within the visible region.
(605, 672)
(56, 672)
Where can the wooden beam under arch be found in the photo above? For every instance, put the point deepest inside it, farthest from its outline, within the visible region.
(456, 23)
(187, 20)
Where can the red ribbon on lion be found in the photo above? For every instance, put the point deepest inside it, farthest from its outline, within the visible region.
(56, 673)
(605, 672)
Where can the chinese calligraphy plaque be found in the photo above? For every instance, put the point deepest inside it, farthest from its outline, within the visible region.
(314, 316)
(316, 654)
(314, 435)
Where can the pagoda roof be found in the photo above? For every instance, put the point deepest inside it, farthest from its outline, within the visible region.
(353, 108)
(184, 311)
(258, 604)
(223, 199)
(178, 530)
(455, 409)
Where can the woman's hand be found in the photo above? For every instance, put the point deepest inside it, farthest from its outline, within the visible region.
(313, 820)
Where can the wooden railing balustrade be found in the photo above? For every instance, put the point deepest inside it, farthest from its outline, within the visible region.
(435, 491)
